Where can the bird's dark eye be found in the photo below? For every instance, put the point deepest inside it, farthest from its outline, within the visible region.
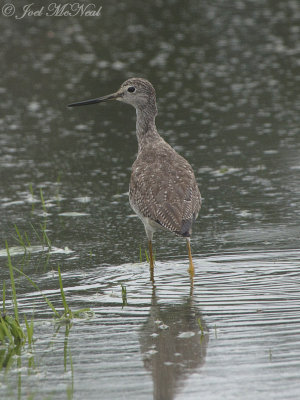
(131, 89)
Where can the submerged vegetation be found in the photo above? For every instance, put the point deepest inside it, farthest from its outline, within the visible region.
(146, 255)
(124, 295)
(10, 328)
(40, 233)
(17, 332)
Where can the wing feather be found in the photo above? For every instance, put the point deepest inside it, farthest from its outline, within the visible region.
(163, 188)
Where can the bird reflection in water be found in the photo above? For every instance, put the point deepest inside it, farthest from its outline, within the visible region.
(173, 343)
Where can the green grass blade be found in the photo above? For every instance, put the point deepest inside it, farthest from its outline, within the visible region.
(7, 332)
(2, 338)
(31, 189)
(15, 329)
(35, 231)
(71, 391)
(32, 195)
(37, 288)
(147, 257)
(46, 239)
(27, 239)
(20, 240)
(66, 341)
(200, 326)
(43, 201)
(124, 295)
(3, 297)
(63, 297)
(29, 329)
(11, 272)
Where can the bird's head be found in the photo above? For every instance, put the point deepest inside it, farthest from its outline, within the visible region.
(135, 91)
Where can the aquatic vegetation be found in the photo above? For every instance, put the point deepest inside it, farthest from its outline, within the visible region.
(46, 239)
(11, 330)
(200, 326)
(24, 242)
(13, 287)
(68, 314)
(146, 255)
(32, 196)
(124, 295)
(216, 332)
(42, 236)
(43, 201)
(17, 337)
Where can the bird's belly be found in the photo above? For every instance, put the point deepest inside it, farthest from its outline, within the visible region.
(150, 224)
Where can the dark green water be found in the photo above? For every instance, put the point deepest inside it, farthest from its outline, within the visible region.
(226, 75)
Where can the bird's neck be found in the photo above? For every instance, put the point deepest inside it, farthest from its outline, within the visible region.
(145, 126)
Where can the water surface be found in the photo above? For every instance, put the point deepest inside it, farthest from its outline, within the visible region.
(226, 77)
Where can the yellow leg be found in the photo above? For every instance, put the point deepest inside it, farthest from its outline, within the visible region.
(191, 267)
(151, 261)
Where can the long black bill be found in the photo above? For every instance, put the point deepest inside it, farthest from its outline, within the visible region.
(113, 96)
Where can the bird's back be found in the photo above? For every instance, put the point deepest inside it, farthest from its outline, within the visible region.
(163, 188)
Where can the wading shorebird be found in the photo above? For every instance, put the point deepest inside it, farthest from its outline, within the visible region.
(163, 191)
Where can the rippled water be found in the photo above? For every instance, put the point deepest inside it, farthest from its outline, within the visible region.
(226, 76)
(236, 332)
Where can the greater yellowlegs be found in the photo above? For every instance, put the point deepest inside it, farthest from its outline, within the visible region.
(163, 191)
